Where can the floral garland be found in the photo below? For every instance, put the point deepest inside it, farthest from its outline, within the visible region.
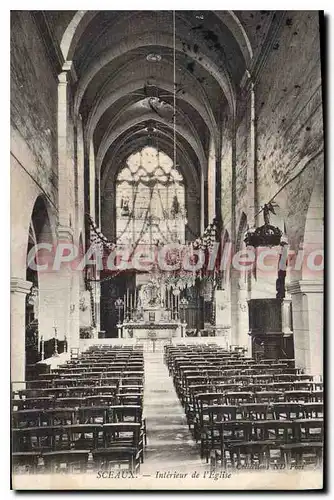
(203, 242)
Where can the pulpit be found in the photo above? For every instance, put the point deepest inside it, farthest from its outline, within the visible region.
(265, 328)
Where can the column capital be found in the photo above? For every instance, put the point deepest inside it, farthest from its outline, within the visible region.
(68, 67)
(62, 78)
(305, 286)
(65, 233)
(19, 285)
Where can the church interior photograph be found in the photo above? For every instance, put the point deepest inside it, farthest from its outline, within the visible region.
(167, 247)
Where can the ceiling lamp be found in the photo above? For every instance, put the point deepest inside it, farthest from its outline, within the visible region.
(266, 235)
(153, 57)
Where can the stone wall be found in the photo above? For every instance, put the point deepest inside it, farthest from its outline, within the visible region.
(288, 127)
(33, 102)
(288, 104)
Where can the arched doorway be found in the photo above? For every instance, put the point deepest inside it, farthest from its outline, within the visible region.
(41, 301)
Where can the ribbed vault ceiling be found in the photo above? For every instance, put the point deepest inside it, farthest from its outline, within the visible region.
(119, 92)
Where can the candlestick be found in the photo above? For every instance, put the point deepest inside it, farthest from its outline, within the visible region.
(56, 343)
(124, 307)
(42, 348)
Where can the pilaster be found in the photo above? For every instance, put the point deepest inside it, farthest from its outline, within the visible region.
(19, 289)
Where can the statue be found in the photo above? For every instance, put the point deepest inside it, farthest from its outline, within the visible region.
(149, 295)
(267, 209)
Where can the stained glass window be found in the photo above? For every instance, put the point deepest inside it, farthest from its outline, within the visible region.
(150, 199)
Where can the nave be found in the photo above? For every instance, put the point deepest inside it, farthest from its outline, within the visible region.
(167, 267)
(181, 408)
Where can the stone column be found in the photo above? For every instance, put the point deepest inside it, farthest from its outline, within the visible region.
(251, 168)
(211, 181)
(65, 231)
(307, 312)
(218, 186)
(244, 340)
(223, 315)
(108, 213)
(202, 202)
(241, 314)
(48, 297)
(19, 289)
(97, 300)
(234, 278)
(74, 329)
(234, 274)
(63, 287)
(63, 178)
(286, 322)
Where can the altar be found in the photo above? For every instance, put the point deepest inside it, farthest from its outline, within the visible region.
(151, 311)
(146, 330)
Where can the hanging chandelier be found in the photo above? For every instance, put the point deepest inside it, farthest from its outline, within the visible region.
(266, 235)
(206, 241)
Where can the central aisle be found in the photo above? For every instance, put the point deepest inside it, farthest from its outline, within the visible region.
(169, 442)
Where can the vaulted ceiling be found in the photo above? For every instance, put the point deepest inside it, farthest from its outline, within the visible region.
(124, 62)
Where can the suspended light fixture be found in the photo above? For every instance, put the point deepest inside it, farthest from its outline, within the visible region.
(266, 235)
(174, 88)
(153, 57)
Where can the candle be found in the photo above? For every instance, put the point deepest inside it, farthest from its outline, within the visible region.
(127, 298)
(124, 301)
